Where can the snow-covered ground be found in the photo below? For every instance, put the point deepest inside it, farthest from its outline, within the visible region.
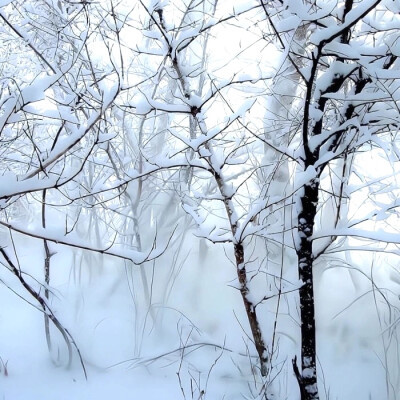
(196, 349)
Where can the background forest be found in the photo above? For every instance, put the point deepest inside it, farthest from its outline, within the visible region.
(199, 199)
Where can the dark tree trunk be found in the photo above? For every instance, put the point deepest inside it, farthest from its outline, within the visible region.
(242, 275)
(306, 217)
(251, 310)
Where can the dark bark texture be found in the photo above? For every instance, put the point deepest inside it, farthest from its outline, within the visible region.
(251, 310)
(306, 217)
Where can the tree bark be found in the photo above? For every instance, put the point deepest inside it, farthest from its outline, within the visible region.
(251, 310)
(306, 217)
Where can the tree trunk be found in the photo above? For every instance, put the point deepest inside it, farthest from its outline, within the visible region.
(306, 217)
(250, 308)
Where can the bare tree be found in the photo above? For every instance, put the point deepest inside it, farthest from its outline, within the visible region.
(339, 74)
